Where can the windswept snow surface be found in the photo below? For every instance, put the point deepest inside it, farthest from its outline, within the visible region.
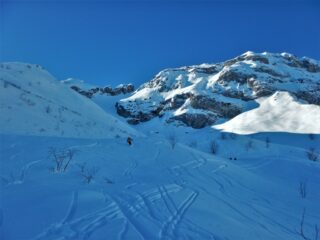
(33, 102)
(280, 112)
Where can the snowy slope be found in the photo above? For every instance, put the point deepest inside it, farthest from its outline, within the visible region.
(280, 112)
(33, 102)
(152, 190)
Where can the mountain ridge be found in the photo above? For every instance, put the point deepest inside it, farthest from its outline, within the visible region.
(202, 95)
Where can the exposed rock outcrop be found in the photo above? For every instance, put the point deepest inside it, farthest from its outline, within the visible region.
(121, 89)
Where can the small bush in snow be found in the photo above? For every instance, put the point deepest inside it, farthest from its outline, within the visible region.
(61, 158)
(223, 136)
(48, 109)
(172, 140)
(82, 166)
(214, 147)
(312, 154)
(233, 136)
(89, 173)
(303, 189)
(312, 136)
(267, 142)
(249, 145)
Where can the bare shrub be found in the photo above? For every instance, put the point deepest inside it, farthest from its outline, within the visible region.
(82, 166)
(172, 140)
(214, 147)
(223, 136)
(233, 136)
(267, 142)
(249, 145)
(303, 189)
(61, 158)
(312, 136)
(312, 154)
(48, 109)
(89, 173)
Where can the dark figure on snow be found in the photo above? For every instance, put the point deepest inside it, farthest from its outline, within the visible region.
(129, 141)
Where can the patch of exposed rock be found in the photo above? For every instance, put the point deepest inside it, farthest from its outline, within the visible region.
(121, 89)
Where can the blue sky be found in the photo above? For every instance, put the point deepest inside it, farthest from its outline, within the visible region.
(112, 42)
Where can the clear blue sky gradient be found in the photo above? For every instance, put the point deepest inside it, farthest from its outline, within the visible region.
(112, 42)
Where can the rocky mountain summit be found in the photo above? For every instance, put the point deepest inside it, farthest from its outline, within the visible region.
(201, 95)
(89, 91)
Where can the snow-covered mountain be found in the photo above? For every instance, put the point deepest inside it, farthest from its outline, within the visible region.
(208, 94)
(67, 171)
(33, 102)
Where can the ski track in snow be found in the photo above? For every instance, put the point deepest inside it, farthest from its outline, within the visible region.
(80, 228)
(128, 172)
(23, 172)
(231, 200)
(158, 207)
(170, 227)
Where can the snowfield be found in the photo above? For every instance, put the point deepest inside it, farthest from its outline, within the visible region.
(162, 193)
(256, 176)
(280, 112)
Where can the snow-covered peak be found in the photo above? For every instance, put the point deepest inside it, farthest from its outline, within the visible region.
(221, 91)
(33, 102)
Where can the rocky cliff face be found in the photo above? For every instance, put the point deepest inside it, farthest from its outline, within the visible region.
(121, 89)
(201, 95)
(90, 91)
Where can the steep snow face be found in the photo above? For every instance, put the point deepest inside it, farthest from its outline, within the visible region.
(280, 112)
(203, 94)
(33, 102)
